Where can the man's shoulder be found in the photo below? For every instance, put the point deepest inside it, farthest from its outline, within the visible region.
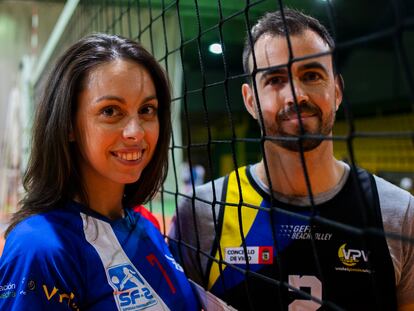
(216, 186)
(203, 200)
(389, 192)
(397, 206)
(207, 189)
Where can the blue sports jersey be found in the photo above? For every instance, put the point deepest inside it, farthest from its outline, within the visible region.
(75, 259)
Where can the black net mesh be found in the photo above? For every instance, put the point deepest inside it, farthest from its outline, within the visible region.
(214, 135)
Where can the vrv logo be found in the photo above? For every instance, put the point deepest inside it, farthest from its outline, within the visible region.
(354, 254)
(63, 297)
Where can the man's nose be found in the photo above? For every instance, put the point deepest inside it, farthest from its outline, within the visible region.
(298, 94)
(133, 129)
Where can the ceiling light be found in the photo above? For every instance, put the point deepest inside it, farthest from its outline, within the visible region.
(215, 48)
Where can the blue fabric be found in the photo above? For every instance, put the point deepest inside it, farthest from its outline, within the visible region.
(48, 264)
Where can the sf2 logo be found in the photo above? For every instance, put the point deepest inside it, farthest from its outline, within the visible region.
(134, 296)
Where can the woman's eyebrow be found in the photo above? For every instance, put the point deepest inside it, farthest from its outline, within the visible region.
(111, 97)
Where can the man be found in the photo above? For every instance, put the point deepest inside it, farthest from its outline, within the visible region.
(316, 240)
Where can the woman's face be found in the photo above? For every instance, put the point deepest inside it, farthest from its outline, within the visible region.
(116, 126)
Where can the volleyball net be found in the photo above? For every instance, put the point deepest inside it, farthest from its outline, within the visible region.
(200, 42)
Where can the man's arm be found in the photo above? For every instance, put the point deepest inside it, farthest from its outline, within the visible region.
(193, 230)
(405, 289)
(397, 209)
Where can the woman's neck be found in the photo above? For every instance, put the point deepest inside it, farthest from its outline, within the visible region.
(105, 199)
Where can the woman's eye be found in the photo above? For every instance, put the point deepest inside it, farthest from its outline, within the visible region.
(148, 110)
(110, 112)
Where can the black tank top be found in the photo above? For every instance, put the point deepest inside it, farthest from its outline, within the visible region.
(346, 266)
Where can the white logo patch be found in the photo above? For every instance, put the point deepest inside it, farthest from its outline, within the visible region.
(255, 255)
(130, 289)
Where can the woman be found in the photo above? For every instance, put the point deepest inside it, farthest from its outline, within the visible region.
(99, 147)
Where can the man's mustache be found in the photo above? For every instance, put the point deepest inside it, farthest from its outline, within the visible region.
(291, 111)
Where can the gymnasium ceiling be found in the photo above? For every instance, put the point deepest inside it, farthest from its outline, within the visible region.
(366, 33)
(350, 20)
(377, 79)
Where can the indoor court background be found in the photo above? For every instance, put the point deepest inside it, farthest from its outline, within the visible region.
(213, 134)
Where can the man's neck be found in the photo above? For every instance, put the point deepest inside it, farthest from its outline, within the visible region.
(286, 170)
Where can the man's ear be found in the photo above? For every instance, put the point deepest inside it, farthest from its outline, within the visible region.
(248, 99)
(339, 90)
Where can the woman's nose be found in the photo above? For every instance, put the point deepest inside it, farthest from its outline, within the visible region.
(133, 129)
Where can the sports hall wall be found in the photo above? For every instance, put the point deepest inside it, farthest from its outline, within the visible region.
(212, 131)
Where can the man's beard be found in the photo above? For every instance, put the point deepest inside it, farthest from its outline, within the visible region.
(296, 142)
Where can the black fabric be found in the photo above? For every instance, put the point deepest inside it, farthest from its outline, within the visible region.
(361, 285)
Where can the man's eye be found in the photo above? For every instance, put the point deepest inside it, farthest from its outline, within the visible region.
(312, 76)
(276, 80)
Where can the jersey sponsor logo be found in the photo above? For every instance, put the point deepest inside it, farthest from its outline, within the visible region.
(262, 255)
(31, 285)
(8, 286)
(27, 285)
(131, 291)
(7, 290)
(174, 263)
(302, 232)
(352, 259)
(56, 295)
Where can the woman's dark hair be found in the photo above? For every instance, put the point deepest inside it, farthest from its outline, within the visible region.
(52, 176)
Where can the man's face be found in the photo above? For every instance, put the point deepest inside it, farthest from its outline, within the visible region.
(317, 90)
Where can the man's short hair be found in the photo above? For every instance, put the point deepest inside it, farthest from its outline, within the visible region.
(294, 23)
